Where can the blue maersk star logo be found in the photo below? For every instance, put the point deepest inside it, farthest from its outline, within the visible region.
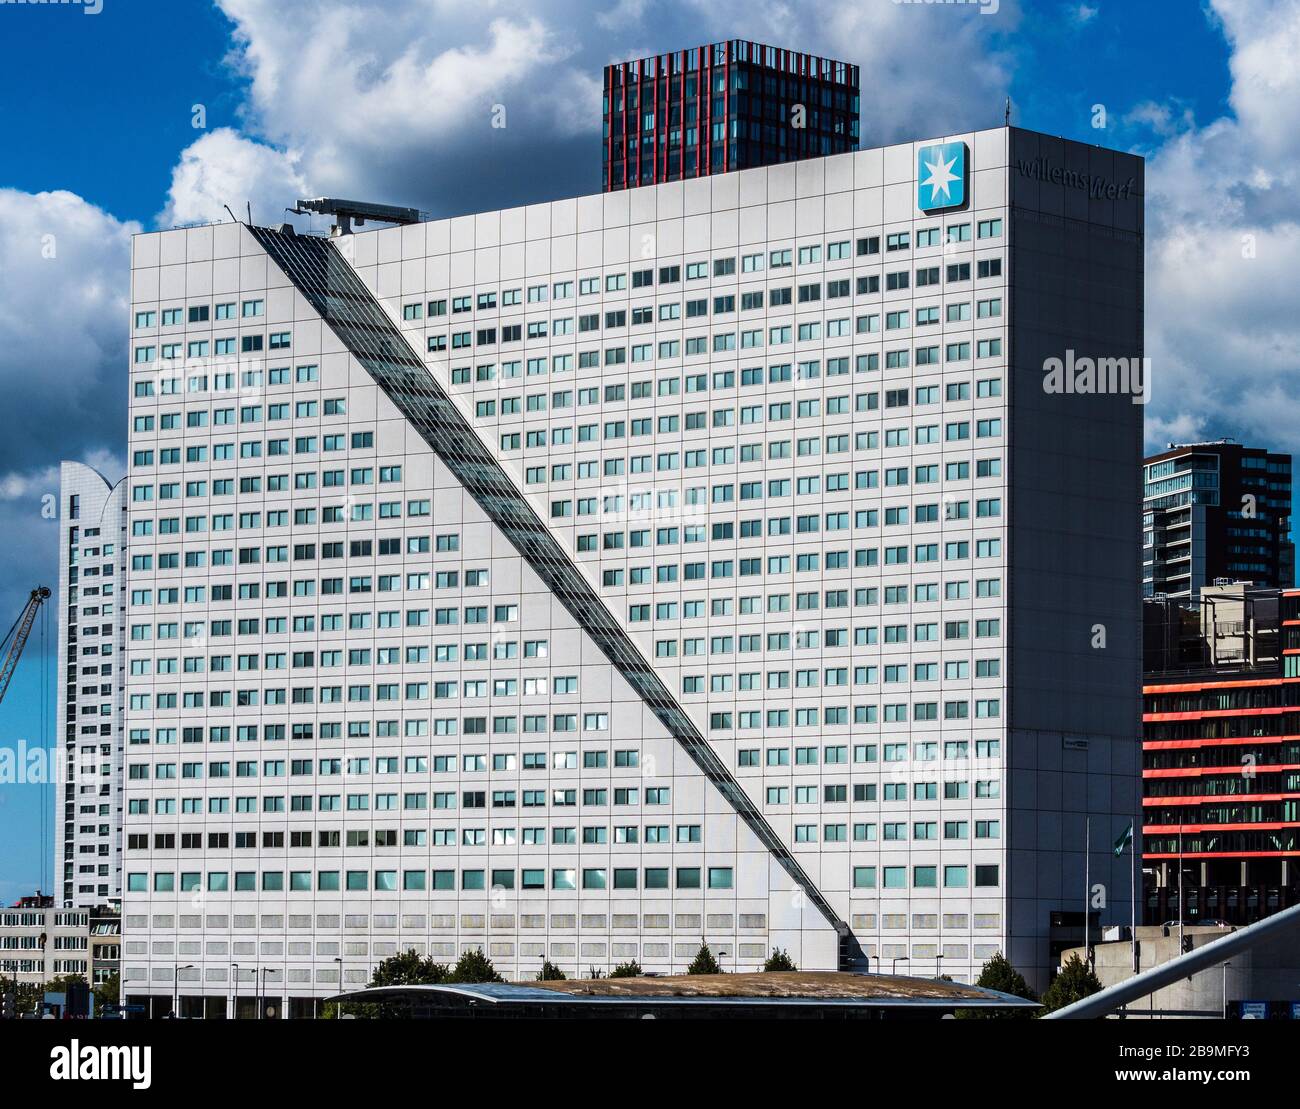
(941, 176)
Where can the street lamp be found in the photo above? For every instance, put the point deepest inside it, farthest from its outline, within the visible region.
(938, 966)
(338, 1005)
(1225, 990)
(261, 994)
(234, 991)
(176, 990)
(898, 959)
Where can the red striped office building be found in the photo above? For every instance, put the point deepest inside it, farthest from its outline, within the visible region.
(1221, 756)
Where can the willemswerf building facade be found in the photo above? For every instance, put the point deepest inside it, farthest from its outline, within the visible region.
(703, 561)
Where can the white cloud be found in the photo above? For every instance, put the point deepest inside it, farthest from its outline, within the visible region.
(924, 67)
(1164, 120)
(63, 313)
(225, 168)
(1224, 246)
(401, 109)
(410, 106)
(624, 13)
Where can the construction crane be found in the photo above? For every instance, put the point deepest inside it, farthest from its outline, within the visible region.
(16, 638)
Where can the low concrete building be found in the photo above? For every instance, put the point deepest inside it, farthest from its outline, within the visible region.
(1268, 973)
(39, 941)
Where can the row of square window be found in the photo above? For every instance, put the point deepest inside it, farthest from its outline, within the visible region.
(777, 449)
(670, 349)
(200, 313)
(799, 375)
(925, 877)
(782, 373)
(199, 348)
(725, 304)
(987, 709)
(778, 335)
(448, 727)
(842, 250)
(750, 605)
(954, 831)
(562, 878)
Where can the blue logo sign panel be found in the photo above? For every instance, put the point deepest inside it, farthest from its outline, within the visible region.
(941, 176)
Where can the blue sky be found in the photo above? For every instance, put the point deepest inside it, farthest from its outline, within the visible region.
(311, 97)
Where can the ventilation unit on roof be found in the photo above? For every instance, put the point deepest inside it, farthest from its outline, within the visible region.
(346, 212)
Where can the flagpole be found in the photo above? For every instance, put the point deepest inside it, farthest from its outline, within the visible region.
(1182, 911)
(1087, 883)
(1132, 897)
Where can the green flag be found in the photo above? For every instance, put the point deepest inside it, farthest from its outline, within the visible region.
(1125, 838)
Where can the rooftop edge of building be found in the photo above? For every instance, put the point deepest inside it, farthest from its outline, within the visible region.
(711, 181)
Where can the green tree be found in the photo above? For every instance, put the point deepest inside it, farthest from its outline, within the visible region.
(107, 993)
(406, 968)
(630, 969)
(1073, 982)
(550, 972)
(704, 962)
(474, 966)
(998, 974)
(409, 969)
(779, 960)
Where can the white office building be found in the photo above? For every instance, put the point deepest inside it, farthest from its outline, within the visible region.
(588, 580)
(92, 573)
